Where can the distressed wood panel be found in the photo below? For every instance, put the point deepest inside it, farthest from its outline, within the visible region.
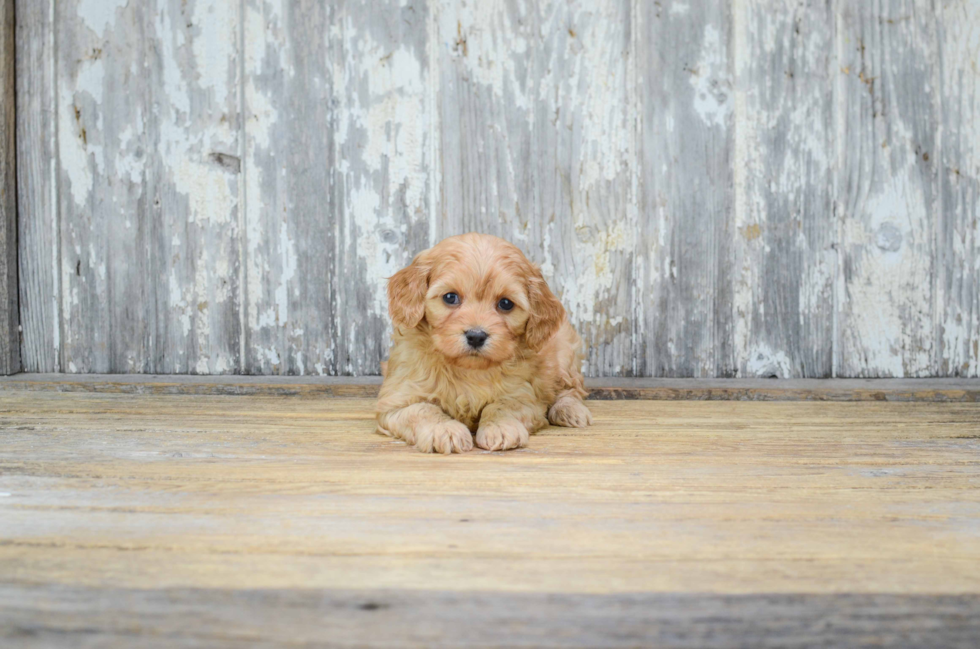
(42, 616)
(9, 311)
(290, 234)
(148, 145)
(686, 201)
(888, 187)
(338, 182)
(785, 232)
(761, 188)
(736, 525)
(37, 223)
(384, 127)
(537, 146)
(958, 259)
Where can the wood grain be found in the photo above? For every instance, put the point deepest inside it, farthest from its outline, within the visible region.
(784, 239)
(604, 389)
(9, 310)
(537, 146)
(888, 187)
(752, 189)
(290, 233)
(38, 229)
(958, 242)
(42, 616)
(147, 134)
(687, 232)
(192, 512)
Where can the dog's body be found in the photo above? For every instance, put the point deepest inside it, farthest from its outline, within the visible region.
(482, 346)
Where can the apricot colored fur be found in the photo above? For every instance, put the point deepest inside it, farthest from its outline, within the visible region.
(440, 394)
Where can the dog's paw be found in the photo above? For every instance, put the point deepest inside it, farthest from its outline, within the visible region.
(501, 435)
(448, 436)
(569, 412)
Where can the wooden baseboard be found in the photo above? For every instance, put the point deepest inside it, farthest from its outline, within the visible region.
(929, 390)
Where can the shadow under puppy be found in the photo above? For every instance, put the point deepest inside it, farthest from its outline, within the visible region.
(481, 345)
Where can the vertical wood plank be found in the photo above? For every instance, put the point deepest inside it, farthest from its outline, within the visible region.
(958, 250)
(38, 232)
(338, 177)
(785, 234)
(9, 317)
(687, 230)
(888, 191)
(192, 178)
(537, 143)
(290, 234)
(148, 154)
(383, 127)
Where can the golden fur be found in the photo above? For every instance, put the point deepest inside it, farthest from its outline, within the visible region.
(438, 392)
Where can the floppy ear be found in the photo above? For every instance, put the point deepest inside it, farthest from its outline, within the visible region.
(547, 313)
(406, 292)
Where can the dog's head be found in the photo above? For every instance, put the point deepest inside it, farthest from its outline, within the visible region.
(479, 299)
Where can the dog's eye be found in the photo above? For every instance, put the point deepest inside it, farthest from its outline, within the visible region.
(504, 304)
(451, 299)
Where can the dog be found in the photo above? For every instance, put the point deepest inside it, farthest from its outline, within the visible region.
(482, 351)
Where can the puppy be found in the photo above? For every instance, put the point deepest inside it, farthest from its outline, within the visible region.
(482, 350)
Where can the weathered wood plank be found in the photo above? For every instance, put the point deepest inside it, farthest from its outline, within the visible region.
(385, 124)
(53, 616)
(38, 229)
(785, 254)
(687, 228)
(888, 187)
(603, 389)
(537, 143)
(154, 492)
(290, 236)
(958, 260)
(338, 182)
(192, 187)
(9, 310)
(148, 148)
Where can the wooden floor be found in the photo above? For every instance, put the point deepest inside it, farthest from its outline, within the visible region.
(166, 521)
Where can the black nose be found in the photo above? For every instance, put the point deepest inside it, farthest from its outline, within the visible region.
(476, 338)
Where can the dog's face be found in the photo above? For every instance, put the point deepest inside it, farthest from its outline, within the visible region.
(479, 299)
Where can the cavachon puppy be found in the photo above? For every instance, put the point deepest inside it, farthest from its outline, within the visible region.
(481, 346)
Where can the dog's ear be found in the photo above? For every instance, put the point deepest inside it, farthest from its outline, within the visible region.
(406, 292)
(547, 313)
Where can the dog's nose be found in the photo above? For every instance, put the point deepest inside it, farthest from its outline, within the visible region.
(476, 337)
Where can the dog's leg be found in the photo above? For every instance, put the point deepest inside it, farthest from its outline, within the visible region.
(569, 411)
(427, 427)
(508, 424)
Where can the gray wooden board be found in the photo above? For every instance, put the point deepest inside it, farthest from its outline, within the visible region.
(784, 148)
(9, 312)
(686, 235)
(926, 390)
(888, 187)
(65, 616)
(40, 293)
(537, 146)
(765, 188)
(958, 243)
(147, 111)
(337, 172)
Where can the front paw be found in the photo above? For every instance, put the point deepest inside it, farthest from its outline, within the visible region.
(569, 412)
(447, 436)
(501, 435)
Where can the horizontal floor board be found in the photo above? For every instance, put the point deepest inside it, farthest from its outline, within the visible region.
(935, 390)
(108, 617)
(211, 520)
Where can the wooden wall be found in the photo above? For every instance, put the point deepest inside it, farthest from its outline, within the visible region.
(749, 188)
(9, 310)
